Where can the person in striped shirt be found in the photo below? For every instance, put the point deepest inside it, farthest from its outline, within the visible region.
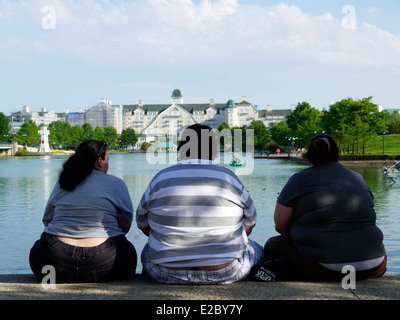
(197, 215)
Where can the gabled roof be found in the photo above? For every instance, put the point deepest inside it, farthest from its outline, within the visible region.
(146, 108)
(190, 107)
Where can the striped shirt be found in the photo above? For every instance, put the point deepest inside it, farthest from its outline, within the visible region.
(196, 210)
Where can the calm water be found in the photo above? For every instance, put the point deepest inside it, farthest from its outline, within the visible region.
(26, 183)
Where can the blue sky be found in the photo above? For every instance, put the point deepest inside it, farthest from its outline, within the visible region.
(275, 53)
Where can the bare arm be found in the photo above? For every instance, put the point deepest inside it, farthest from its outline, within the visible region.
(248, 229)
(283, 218)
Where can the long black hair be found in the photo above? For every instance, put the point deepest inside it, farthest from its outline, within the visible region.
(80, 165)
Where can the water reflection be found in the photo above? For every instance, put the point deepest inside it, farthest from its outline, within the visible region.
(26, 184)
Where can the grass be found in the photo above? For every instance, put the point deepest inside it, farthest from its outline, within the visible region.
(392, 145)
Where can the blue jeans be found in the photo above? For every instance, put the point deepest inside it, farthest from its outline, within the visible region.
(114, 259)
(236, 271)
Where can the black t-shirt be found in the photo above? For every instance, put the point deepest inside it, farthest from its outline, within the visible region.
(334, 217)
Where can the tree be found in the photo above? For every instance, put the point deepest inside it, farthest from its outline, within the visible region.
(304, 123)
(77, 135)
(145, 146)
(87, 131)
(223, 126)
(281, 133)
(128, 138)
(353, 123)
(98, 134)
(60, 133)
(261, 134)
(28, 133)
(111, 136)
(4, 127)
(394, 123)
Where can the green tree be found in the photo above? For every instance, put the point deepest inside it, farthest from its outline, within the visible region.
(87, 131)
(223, 126)
(281, 133)
(353, 123)
(98, 134)
(60, 133)
(394, 123)
(304, 123)
(145, 146)
(4, 128)
(261, 134)
(77, 135)
(128, 138)
(111, 136)
(28, 133)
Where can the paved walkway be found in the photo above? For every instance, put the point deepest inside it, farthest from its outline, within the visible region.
(25, 287)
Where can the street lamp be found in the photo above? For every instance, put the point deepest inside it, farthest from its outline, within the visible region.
(383, 140)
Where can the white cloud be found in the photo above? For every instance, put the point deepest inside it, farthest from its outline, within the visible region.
(172, 32)
(373, 11)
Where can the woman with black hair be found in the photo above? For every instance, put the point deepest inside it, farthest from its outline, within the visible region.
(86, 219)
(325, 215)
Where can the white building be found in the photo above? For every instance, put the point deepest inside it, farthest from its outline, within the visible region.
(42, 117)
(271, 117)
(153, 122)
(101, 115)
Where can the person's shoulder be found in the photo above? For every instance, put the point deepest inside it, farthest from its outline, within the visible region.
(109, 178)
(225, 171)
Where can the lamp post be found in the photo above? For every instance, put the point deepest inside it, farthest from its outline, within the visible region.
(383, 140)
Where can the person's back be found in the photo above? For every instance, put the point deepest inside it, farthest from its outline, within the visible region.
(86, 218)
(326, 219)
(333, 208)
(196, 210)
(197, 215)
(92, 209)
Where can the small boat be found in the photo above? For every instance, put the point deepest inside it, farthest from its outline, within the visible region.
(393, 172)
(236, 162)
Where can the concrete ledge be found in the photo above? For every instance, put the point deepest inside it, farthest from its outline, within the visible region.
(26, 287)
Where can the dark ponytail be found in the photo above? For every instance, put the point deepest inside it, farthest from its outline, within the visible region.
(81, 164)
(321, 149)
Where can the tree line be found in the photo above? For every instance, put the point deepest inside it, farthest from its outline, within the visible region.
(352, 123)
(63, 135)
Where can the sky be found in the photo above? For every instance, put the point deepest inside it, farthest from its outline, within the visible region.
(69, 54)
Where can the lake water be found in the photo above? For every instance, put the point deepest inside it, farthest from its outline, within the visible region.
(26, 183)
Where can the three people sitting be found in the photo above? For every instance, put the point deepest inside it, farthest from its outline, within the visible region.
(198, 216)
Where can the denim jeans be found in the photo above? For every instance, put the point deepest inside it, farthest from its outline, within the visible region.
(114, 259)
(236, 271)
